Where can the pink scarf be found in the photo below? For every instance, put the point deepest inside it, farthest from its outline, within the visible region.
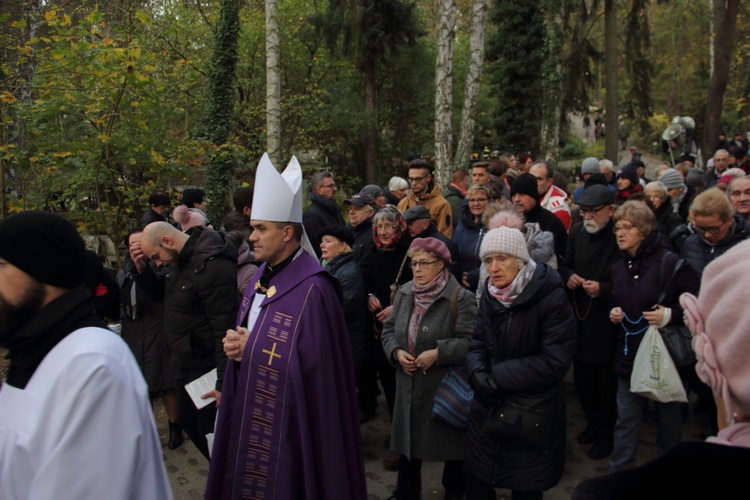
(424, 296)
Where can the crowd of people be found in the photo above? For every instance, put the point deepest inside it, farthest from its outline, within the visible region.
(505, 279)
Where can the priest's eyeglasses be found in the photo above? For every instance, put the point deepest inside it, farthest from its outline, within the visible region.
(416, 264)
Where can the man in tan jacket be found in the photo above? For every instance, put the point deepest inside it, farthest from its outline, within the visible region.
(425, 192)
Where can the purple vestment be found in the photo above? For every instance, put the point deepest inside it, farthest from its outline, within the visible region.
(288, 424)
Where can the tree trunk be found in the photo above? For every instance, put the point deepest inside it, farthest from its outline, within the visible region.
(462, 156)
(444, 92)
(610, 54)
(371, 131)
(273, 83)
(724, 37)
(219, 179)
(552, 106)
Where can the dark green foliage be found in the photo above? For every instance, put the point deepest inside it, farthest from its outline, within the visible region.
(637, 104)
(515, 56)
(217, 124)
(369, 29)
(579, 73)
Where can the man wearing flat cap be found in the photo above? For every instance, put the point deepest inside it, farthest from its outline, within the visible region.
(421, 226)
(591, 252)
(75, 416)
(362, 210)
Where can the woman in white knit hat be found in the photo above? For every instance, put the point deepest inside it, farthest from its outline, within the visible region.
(520, 351)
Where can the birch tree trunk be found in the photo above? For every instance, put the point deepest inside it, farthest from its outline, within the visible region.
(723, 42)
(462, 156)
(610, 55)
(444, 91)
(552, 106)
(273, 83)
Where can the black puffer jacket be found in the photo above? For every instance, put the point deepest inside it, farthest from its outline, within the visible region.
(362, 240)
(200, 302)
(698, 253)
(344, 269)
(667, 221)
(143, 331)
(532, 345)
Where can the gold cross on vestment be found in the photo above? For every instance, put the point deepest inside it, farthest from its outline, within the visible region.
(271, 354)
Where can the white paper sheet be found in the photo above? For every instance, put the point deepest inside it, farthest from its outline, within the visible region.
(201, 386)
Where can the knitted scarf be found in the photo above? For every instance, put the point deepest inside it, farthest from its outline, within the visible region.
(508, 294)
(424, 296)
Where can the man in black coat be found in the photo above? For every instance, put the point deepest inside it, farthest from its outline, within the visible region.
(361, 211)
(525, 196)
(323, 210)
(158, 208)
(591, 252)
(200, 305)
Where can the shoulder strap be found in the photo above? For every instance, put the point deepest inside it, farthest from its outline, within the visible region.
(454, 306)
(400, 269)
(662, 266)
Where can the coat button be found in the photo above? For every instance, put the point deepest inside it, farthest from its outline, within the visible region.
(425, 329)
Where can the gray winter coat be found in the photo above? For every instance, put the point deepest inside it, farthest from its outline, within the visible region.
(414, 433)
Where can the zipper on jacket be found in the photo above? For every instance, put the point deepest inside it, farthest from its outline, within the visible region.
(505, 341)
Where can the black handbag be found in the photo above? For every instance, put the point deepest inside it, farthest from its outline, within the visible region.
(522, 421)
(677, 337)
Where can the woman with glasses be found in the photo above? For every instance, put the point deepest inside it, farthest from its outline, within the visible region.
(657, 198)
(470, 231)
(636, 286)
(423, 339)
(385, 267)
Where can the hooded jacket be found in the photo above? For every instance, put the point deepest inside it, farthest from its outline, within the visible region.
(698, 253)
(200, 302)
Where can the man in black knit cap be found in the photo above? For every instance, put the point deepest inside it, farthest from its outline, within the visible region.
(525, 196)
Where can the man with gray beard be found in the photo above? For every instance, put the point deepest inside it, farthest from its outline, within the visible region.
(591, 251)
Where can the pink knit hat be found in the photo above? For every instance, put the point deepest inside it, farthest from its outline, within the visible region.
(720, 322)
(186, 218)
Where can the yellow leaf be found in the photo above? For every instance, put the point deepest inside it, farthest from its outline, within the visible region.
(50, 16)
(158, 158)
(61, 154)
(7, 97)
(66, 20)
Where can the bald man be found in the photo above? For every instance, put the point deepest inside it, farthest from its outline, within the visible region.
(200, 305)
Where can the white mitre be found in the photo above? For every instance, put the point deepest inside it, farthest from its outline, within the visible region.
(277, 197)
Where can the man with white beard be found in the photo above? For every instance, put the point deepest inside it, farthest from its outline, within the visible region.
(591, 251)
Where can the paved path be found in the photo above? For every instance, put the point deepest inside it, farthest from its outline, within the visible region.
(188, 470)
